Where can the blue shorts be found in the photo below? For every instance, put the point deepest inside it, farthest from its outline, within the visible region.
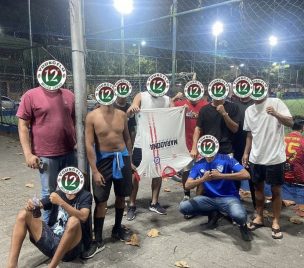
(49, 242)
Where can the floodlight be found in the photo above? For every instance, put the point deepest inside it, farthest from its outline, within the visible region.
(123, 6)
(273, 40)
(217, 28)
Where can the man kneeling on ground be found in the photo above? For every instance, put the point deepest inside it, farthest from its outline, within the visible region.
(61, 238)
(217, 175)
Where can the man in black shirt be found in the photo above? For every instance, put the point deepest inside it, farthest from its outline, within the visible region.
(239, 139)
(62, 237)
(220, 119)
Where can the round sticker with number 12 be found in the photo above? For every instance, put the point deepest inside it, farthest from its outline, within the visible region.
(218, 89)
(51, 75)
(208, 146)
(105, 94)
(158, 84)
(194, 90)
(123, 88)
(70, 180)
(260, 89)
(242, 87)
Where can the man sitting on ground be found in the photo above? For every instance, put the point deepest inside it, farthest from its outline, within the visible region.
(62, 237)
(217, 175)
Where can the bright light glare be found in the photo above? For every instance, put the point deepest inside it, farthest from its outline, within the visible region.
(283, 61)
(123, 6)
(217, 28)
(273, 40)
(274, 64)
(242, 65)
(231, 66)
(143, 43)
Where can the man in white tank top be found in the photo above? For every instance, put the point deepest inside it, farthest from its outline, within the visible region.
(144, 100)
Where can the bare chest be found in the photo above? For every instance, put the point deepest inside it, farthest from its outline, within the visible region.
(109, 124)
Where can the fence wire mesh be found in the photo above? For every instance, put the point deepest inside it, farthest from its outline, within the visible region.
(148, 36)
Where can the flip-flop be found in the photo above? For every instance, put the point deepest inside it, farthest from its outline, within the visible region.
(276, 231)
(252, 226)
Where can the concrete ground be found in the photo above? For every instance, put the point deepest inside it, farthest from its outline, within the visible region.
(179, 239)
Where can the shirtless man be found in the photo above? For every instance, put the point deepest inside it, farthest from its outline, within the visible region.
(108, 146)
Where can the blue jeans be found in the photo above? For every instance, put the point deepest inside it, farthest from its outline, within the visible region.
(204, 205)
(49, 177)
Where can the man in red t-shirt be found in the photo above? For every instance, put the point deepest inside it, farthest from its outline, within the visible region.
(192, 111)
(294, 167)
(46, 128)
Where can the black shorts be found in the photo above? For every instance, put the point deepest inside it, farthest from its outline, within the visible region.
(122, 187)
(49, 242)
(272, 174)
(136, 156)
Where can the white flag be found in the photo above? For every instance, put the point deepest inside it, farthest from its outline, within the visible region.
(164, 149)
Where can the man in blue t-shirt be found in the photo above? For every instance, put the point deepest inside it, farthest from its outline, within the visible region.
(217, 175)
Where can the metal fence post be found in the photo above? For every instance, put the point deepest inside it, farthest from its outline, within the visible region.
(31, 41)
(79, 78)
(174, 26)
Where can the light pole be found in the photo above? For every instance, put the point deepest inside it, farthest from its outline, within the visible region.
(124, 7)
(217, 29)
(273, 41)
(31, 41)
(283, 62)
(142, 43)
(235, 69)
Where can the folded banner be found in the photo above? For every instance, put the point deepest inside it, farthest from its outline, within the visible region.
(163, 140)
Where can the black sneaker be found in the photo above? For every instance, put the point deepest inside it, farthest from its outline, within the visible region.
(157, 208)
(213, 218)
(246, 235)
(94, 248)
(121, 233)
(131, 213)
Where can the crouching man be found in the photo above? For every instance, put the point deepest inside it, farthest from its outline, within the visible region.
(216, 174)
(62, 237)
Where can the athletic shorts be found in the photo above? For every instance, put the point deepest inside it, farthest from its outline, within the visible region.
(122, 187)
(49, 242)
(136, 156)
(272, 174)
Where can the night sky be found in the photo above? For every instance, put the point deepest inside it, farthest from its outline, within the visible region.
(247, 27)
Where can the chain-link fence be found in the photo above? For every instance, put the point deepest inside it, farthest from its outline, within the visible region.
(175, 37)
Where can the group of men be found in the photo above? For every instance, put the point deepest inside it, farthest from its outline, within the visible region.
(252, 131)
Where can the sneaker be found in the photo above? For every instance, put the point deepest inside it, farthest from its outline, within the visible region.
(246, 235)
(131, 213)
(188, 217)
(157, 208)
(186, 198)
(213, 219)
(121, 233)
(94, 248)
